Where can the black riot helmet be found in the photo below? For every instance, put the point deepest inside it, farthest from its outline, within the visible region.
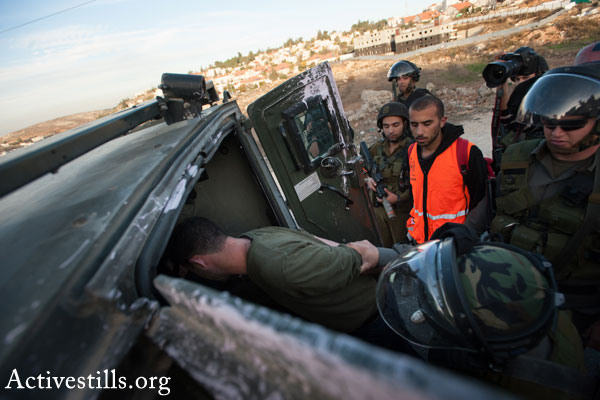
(563, 94)
(391, 109)
(402, 68)
(493, 300)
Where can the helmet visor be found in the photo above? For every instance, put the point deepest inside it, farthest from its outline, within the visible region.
(399, 69)
(411, 298)
(559, 95)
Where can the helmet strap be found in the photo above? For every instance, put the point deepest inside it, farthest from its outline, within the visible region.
(410, 88)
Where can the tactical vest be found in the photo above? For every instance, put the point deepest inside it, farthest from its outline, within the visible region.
(548, 226)
(390, 167)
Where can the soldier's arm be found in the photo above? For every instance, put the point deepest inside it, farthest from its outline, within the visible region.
(476, 181)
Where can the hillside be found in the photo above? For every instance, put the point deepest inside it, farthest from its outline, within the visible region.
(452, 74)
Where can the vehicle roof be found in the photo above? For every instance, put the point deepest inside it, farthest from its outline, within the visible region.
(57, 229)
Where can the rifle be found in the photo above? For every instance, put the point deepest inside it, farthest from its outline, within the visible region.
(372, 169)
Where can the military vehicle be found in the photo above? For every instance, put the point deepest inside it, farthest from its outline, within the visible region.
(86, 215)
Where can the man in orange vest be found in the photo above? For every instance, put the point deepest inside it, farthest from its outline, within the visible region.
(448, 174)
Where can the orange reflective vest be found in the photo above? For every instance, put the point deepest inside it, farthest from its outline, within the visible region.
(439, 196)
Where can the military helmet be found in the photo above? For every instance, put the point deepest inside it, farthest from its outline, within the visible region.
(564, 92)
(589, 53)
(495, 300)
(402, 68)
(391, 109)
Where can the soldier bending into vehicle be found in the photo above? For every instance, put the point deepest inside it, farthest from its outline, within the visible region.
(314, 278)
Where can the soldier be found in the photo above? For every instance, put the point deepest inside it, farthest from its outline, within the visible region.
(404, 75)
(389, 154)
(486, 309)
(314, 278)
(549, 189)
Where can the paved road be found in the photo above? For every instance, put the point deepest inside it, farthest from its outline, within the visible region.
(478, 130)
(462, 42)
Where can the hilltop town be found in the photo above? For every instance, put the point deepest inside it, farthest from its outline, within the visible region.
(440, 22)
(454, 74)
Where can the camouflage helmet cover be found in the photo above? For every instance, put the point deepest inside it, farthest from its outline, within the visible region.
(506, 293)
(402, 68)
(392, 108)
(492, 299)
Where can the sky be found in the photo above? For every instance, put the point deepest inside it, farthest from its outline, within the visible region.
(67, 56)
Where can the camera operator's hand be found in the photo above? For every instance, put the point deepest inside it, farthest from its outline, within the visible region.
(502, 90)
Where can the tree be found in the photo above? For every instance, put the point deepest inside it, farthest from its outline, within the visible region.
(363, 26)
(323, 35)
(288, 43)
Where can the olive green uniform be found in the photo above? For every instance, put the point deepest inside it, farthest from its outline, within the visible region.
(316, 281)
(392, 231)
(553, 370)
(541, 206)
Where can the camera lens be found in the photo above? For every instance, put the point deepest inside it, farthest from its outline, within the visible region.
(495, 74)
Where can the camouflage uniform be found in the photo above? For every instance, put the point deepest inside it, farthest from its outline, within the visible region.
(390, 166)
(539, 212)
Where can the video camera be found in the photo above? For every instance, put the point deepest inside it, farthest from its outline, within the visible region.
(524, 61)
(185, 95)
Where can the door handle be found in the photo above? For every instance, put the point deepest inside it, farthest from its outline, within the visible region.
(349, 201)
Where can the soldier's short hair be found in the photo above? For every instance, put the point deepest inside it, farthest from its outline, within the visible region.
(195, 235)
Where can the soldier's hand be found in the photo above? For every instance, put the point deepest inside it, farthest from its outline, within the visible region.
(368, 253)
(371, 184)
(391, 197)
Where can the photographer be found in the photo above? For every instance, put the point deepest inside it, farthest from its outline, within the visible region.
(524, 66)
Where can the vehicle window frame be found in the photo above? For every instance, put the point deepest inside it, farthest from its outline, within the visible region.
(295, 139)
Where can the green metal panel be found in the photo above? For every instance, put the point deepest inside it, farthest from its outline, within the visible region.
(303, 129)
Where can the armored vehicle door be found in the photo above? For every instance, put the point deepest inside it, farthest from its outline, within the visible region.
(305, 134)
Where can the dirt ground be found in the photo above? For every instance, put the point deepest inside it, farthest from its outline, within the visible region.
(453, 74)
